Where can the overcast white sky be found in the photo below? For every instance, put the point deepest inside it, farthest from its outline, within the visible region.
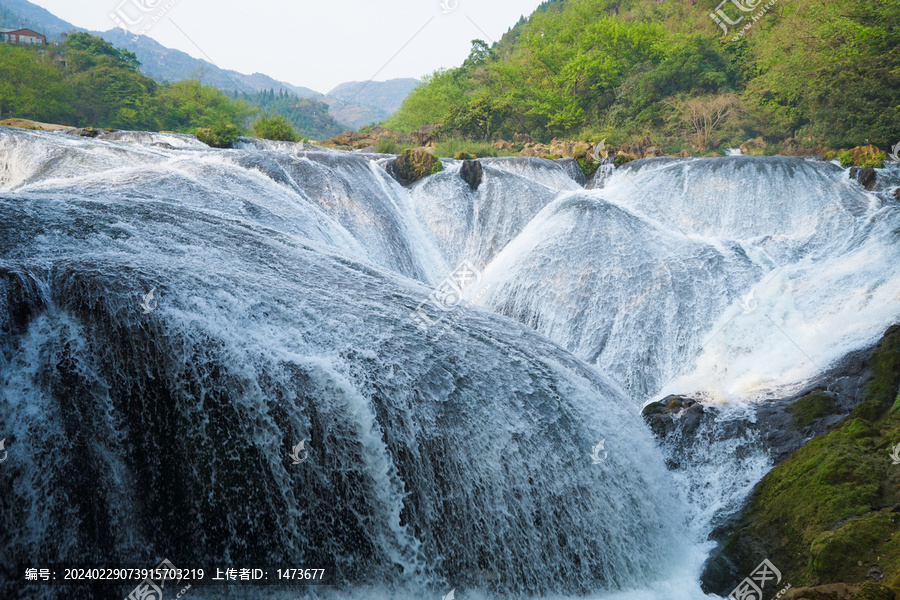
(314, 43)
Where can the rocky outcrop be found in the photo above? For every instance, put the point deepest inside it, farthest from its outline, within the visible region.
(28, 124)
(865, 176)
(841, 591)
(366, 138)
(413, 165)
(829, 513)
(472, 173)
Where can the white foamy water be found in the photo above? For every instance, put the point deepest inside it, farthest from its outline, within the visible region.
(285, 277)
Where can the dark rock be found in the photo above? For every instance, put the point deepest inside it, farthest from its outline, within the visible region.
(573, 169)
(866, 177)
(85, 132)
(472, 173)
(897, 193)
(674, 413)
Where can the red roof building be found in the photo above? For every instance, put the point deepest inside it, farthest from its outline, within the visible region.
(22, 36)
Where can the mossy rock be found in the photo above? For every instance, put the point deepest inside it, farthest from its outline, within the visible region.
(463, 156)
(622, 158)
(849, 552)
(414, 165)
(820, 513)
(874, 591)
(813, 406)
(589, 167)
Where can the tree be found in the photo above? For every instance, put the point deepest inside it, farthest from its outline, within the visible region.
(705, 115)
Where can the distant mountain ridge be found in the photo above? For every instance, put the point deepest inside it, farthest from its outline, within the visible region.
(359, 103)
(376, 100)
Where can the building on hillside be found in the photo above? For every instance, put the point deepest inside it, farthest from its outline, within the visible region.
(22, 36)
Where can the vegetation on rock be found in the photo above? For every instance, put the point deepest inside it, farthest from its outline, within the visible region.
(414, 165)
(830, 513)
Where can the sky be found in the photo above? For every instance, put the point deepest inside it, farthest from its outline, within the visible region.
(312, 43)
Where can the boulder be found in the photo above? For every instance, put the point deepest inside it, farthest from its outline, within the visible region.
(84, 132)
(472, 173)
(413, 165)
(865, 176)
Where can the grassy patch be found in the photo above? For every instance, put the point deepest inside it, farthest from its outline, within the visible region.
(450, 147)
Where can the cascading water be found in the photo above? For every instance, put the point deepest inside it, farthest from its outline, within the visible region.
(283, 288)
(740, 275)
(284, 279)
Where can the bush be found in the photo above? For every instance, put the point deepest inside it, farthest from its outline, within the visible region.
(274, 128)
(388, 145)
(220, 135)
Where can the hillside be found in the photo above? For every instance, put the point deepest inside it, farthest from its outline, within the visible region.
(163, 64)
(821, 75)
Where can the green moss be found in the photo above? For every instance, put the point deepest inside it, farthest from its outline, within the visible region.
(588, 166)
(416, 164)
(847, 553)
(810, 407)
(622, 159)
(873, 591)
(820, 513)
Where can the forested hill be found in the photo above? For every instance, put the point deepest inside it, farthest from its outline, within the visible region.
(86, 81)
(826, 73)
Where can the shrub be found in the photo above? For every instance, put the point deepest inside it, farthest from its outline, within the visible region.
(274, 128)
(220, 135)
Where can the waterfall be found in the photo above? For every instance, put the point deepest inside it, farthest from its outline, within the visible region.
(733, 277)
(145, 428)
(503, 458)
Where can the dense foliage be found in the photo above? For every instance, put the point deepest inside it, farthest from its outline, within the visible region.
(87, 81)
(309, 118)
(827, 72)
